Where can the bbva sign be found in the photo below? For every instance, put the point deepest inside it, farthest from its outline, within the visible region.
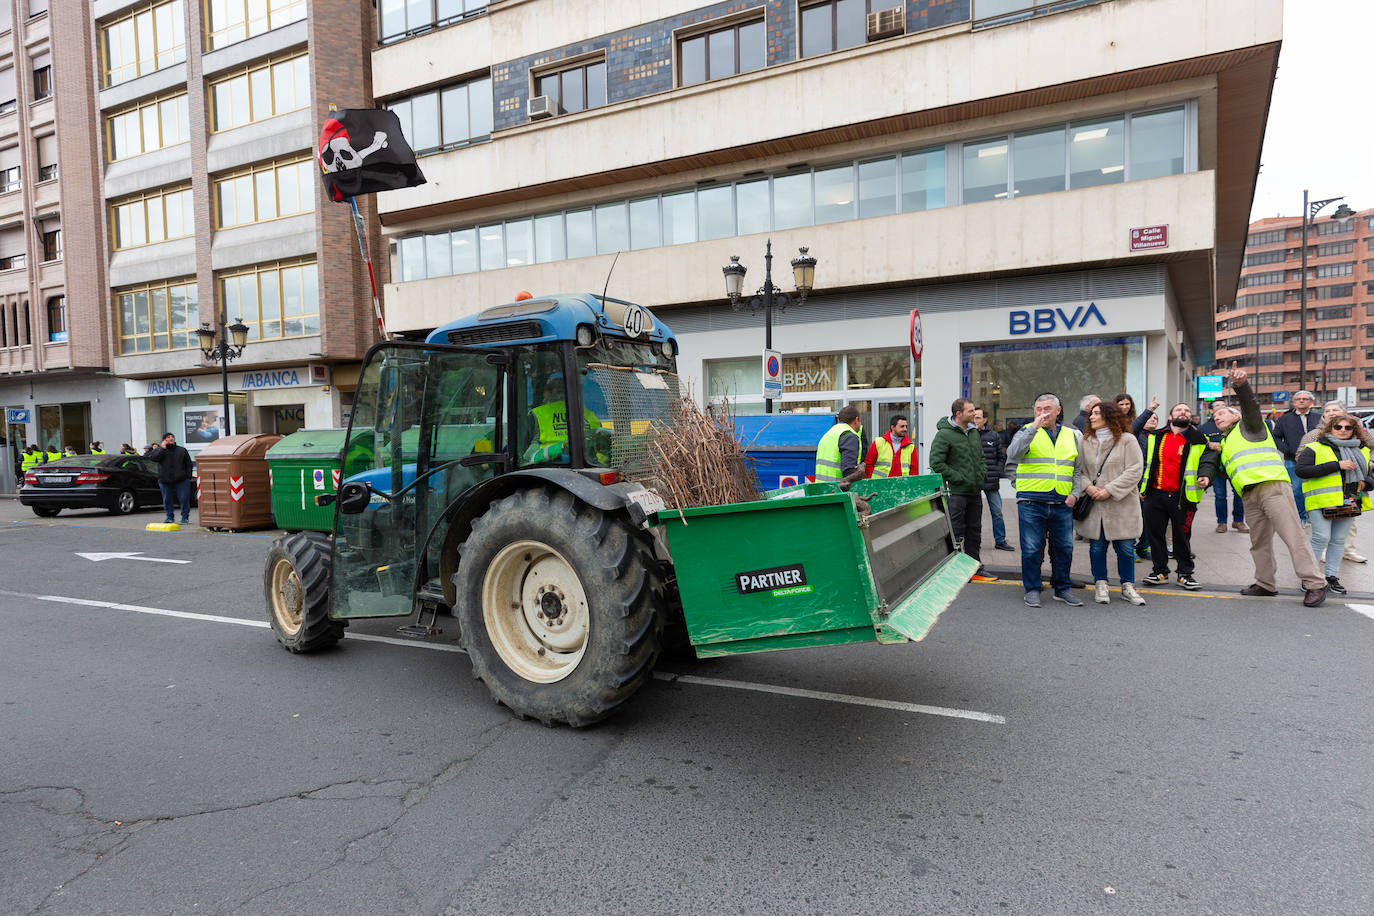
(1044, 321)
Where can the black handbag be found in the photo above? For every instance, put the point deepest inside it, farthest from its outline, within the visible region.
(1084, 504)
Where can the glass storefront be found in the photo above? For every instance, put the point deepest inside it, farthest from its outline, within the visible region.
(1005, 379)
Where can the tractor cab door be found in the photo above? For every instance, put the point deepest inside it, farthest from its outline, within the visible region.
(428, 424)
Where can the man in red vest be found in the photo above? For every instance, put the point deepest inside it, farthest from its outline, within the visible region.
(892, 454)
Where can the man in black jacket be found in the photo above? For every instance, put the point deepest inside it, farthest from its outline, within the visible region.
(1289, 429)
(173, 476)
(995, 457)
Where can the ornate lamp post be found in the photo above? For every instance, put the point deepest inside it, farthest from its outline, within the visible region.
(769, 296)
(223, 350)
(1310, 209)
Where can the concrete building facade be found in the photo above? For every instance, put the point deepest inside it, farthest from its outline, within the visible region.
(55, 386)
(1062, 189)
(1262, 328)
(206, 121)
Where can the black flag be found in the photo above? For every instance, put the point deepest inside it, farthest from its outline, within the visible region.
(362, 150)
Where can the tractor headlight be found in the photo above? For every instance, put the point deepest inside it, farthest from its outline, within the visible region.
(585, 336)
(669, 348)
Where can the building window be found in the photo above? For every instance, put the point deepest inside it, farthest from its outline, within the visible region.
(1334, 270)
(1267, 238)
(149, 126)
(52, 244)
(1333, 227)
(1262, 279)
(265, 192)
(57, 318)
(1277, 256)
(37, 8)
(723, 52)
(234, 20)
(447, 117)
(47, 157)
(576, 88)
(1334, 248)
(159, 316)
(260, 92)
(274, 300)
(152, 218)
(9, 179)
(834, 25)
(988, 13)
(399, 18)
(42, 82)
(1331, 313)
(12, 261)
(143, 41)
(9, 96)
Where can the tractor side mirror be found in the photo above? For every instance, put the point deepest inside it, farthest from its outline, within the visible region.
(354, 497)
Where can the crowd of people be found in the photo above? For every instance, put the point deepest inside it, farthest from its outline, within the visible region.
(1129, 482)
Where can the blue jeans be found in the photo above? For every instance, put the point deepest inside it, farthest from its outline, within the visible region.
(999, 524)
(1125, 558)
(174, 493)
(1290, 467)
(1328, 540)
(1035, 520)
(1237, 507)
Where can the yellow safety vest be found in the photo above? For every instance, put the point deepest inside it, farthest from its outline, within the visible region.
(1248, 463)
(53, 456)
(97, 451)
(553, 421)
(31, 460)
(1328, 490)
(1191, 459)
(828, 452)
(882, 464)
(1048, 465)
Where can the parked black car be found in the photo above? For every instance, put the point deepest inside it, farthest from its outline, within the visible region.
(119, 483)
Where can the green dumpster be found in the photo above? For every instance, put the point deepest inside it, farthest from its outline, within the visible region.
(803, 568)
(303, 465)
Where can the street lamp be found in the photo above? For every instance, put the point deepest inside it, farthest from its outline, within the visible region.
(224, 350)
(1310, 209)
(803, 277)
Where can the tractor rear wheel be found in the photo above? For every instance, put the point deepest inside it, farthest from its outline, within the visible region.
(296, 582)
(558, 607)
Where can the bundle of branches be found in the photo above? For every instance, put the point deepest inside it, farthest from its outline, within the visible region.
(699, 461)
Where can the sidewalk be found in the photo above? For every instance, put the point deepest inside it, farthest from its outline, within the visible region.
(12, 512)
(1223, 560)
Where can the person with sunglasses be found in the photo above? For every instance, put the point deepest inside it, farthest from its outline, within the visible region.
(1336, 481)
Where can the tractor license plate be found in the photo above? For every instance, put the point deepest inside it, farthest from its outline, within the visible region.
(649, 502)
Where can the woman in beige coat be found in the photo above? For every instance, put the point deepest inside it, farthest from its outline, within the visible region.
(1112, 458)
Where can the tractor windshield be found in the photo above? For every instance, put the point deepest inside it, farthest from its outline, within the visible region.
(630, 387)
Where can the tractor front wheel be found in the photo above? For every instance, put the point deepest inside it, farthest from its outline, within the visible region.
(296, 582)
(558, 606)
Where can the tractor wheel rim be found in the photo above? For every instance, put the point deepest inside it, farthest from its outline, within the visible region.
(286, 597)
(535, 611)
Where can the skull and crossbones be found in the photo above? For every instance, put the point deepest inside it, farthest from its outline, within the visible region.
(339, 154)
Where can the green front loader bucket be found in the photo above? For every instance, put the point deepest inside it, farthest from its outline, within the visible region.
(802, 568)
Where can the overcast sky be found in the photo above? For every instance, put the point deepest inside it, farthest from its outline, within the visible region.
(1320, 135)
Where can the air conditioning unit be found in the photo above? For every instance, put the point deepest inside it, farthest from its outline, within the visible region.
(886, 23)
(542, 106)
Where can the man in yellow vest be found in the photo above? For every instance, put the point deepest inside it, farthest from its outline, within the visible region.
(551, 419)
(32, 458)
(837, 454)
(1255, 466)
(1178, 469)
(892, 454)
(1049, 478)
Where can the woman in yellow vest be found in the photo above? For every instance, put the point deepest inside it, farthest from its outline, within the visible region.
(1335, 472)
(33, 457)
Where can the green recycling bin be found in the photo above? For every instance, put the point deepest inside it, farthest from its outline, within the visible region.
(302, 466)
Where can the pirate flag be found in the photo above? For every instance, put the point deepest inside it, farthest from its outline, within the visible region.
(362, 150)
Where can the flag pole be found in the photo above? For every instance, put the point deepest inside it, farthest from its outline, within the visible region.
(361, 232)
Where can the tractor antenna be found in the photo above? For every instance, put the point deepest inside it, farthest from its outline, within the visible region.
(608, 275)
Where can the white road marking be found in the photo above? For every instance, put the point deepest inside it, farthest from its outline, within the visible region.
(1365, 609)
(101, 557)
(669, 676)
(832, 697)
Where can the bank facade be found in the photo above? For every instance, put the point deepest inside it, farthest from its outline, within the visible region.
(1061, 191)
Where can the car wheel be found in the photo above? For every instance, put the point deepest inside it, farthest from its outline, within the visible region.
(45, 511)
(125, 503)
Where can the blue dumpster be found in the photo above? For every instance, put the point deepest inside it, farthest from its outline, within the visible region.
(782, 445)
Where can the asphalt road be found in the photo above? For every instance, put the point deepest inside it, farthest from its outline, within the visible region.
(1200, 755)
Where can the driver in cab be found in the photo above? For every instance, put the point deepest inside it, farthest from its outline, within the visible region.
(551, 417)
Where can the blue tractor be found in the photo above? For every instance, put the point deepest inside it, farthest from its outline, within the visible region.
(498, 469)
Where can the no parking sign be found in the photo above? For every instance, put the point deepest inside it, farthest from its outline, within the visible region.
(772, 374)
(319, 478)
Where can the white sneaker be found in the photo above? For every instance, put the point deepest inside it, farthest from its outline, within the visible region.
(1102, 597)
(1353, 556)
(1130, 594)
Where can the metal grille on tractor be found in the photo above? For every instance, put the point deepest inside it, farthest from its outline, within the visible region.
(632, 406)
(519, 330)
